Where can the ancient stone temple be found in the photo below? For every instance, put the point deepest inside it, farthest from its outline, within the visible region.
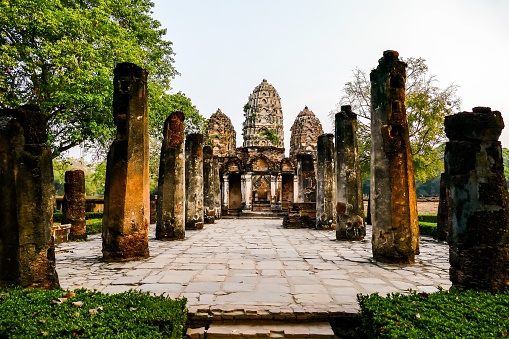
(126, 194)
(393, 197)
(27, 250)
(257, 177)
(478, 200)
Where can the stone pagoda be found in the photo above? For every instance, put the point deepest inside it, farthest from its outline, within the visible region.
(221, 135)
(305, 132)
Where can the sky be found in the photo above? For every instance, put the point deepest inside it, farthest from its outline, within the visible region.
(308, 49)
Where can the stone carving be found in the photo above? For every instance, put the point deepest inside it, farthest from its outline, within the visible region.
(263, 125)
(27, 251)
(194, 181)
(221, 135)
(170, 212)
(305, 132)
(479, 200)
(394, 202)
(73, 205)
(350, 207)
(325, 183)
(126, 196)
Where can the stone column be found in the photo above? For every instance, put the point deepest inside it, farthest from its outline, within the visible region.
(296, 188)
(217, 189)
(194, 181)
(349, 206)
(170, 212)
(325, 183)
(248, 177)
(127, 194)
(208, 185)
(226, 192)
(444, 216)
(243, 190)
(394, 202)
(27, 195)
(73, 205)
(479, 238)
(306, 177)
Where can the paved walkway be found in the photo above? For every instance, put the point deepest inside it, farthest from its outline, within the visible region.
(240, 266)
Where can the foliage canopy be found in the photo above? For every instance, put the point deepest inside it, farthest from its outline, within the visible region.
(60, 55)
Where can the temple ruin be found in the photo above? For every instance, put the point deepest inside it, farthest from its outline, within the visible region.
(73, 205)
(257, 177)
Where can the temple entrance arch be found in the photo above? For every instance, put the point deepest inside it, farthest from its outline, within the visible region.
(234, 196)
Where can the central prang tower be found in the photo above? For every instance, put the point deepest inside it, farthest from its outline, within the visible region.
(263, 125)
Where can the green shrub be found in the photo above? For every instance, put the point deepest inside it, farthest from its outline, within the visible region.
(428, 218)
(57, 217)
(445, 314)
(36, 313)
(94, 226)
(94, 215)
(427, 228)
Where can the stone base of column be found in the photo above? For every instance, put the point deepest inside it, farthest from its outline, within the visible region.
(133, 248)
(194, 225)
(78, 230)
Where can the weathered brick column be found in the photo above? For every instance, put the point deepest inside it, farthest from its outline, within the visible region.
(73, 205)
(208, 185)
(126, 194)
(306, 177)
(349, 205)
(27, 251)
(444, 217)
(479, 236)
(194, 181)
(325, 183)
(171, 185)
(393, 198)
(217, 188)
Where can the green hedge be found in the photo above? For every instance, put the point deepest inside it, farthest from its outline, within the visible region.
(57, 216)
(445, 314)
(428, 218)
(34, 313)
(94, 226)
(427, 228)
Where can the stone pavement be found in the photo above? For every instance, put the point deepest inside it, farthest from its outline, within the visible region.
(254, 268)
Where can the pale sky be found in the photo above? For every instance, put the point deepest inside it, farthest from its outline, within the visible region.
(308, 49)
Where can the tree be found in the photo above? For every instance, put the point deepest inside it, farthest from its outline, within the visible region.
(60, 55)
(426, 107)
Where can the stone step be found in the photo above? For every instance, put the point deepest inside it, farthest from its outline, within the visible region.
(258, 329)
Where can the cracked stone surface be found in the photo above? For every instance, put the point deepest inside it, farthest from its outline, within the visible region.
(252, 266)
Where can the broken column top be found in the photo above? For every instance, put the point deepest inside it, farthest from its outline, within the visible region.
(480, 124)
(128, 69)
(31, 119)
(346, 111)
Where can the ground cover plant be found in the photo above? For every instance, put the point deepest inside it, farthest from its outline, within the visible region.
(31, 313)
(444, 314)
